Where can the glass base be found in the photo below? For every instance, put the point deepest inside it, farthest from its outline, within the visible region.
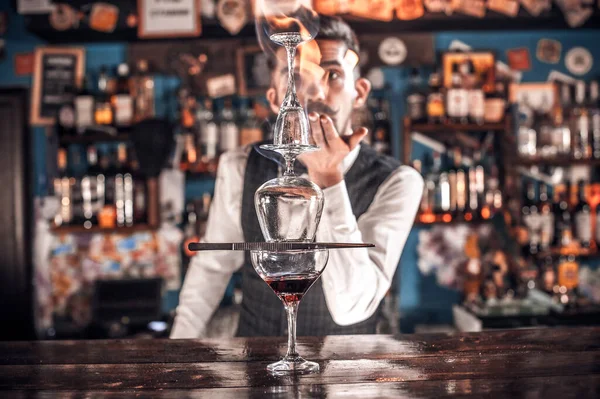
(293, 365)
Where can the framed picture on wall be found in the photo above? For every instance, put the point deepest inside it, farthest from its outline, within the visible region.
(252, 71)
(476, 66)
(159, 18)
(57, 74)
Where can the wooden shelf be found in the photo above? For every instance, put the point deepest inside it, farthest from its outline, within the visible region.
(454, 222)
(93, 137)
(211, 29)
(447, 128)
(562, 161)
(97, 229)
(578, 252)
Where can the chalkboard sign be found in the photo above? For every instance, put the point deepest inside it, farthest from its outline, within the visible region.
(56, 69)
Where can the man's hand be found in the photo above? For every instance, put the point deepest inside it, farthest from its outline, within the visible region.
(324, 165)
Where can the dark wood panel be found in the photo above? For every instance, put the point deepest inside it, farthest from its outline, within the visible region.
(328, 348)
(16, 312)
(244, 374)
(537, 387)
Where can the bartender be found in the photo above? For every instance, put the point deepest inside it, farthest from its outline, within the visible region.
(369, 197)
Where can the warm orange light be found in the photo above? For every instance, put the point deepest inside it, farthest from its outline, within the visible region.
(427, 218)
(468, 217)
(446, 218)
(485, 213)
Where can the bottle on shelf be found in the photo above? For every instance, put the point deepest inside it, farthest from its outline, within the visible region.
(107, 215)
(567, 278)
(546, 219)
(432, 190)
(457, 98)
(250, 129)
(143, 92)
(103, 111)
(561, 133)
(443, 192)
(416, 98)
(89, 189)
(476, 98)
(580, 124)
(582, 215)
(526, 135)
(208, 133)
(84, 108)
(187, 106)
(594, 115)
(531, 219)
(62, 190)
(545, 128)
(382, 128)
(563, 223)
(66, 116)
(121, 99)
(229, 134)
(436, 111)
(461, 184)
(451, 170)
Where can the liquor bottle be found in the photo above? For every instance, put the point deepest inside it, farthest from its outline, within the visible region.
(229, 134)
(187, 107)
(382, 128)
(583, 217)
(476, 99)
(139, 191)
(143, 92)
(122, 100)
(123, 178)
(436, 112)
(580, 124)
(89, 189)
(561, 133)
(451, 171)
(107, 216)
(546, 218)
(530, 215)
(416, 98)
(594, 112)
(545, 129)
(189, 232)
(526, 136)
(103, 112)
(250, 130)
(457, 98)
(84, 108)
(567, 275)
(432, 188)
(62, 190)
(461, 184)
(473, 200)
(65, 118)
(563, 225)
(209, 133)
(443, 192)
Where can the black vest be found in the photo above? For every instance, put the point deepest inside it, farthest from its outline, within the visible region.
(262, 312)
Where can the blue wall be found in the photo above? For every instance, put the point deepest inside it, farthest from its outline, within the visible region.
(421, 299)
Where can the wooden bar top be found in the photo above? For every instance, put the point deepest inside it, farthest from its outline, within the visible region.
(532, 363)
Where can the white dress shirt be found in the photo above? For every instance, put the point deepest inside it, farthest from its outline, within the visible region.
(354, 281)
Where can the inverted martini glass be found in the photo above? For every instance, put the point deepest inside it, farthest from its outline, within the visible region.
(290, 274)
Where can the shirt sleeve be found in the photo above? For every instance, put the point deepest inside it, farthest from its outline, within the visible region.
(210, 271)
(356, 280)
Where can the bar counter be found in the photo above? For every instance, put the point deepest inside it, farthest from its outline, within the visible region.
(531, 363)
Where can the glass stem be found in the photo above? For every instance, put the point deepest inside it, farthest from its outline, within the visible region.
(289, 164)
(290, 99)
(291, 309)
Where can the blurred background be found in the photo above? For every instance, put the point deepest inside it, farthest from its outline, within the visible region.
(114, 115)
